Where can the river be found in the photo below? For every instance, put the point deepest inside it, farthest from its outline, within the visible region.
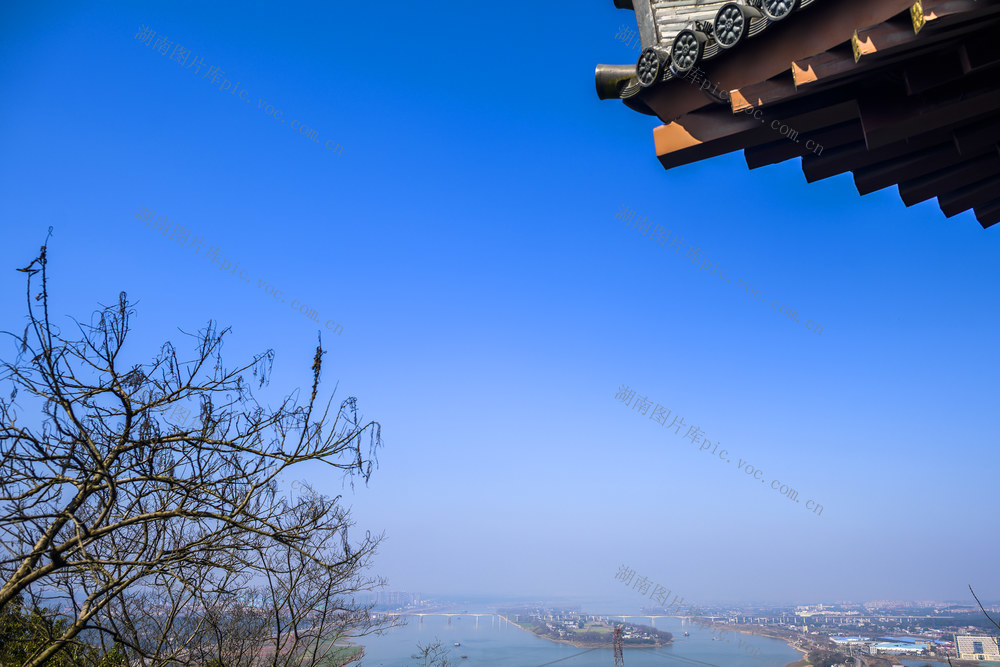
(496, 642)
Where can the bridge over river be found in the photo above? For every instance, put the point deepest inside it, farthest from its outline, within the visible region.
(494, 616)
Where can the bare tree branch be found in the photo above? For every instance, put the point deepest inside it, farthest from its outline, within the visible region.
(139, 505)
(982, 608)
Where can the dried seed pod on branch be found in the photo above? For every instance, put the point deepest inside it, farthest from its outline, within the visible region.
(139, 502)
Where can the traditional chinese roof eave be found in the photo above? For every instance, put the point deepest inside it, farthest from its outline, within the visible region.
(819, 28)
(897, 93)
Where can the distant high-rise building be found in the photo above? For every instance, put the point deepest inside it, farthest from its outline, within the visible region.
(395, 598)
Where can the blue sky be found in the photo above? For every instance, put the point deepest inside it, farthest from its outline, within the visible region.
(466, 240)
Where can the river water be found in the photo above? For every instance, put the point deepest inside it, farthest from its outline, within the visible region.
(496, 642)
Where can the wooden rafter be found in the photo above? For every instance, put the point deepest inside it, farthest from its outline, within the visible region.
(898, 93)
(942, 181)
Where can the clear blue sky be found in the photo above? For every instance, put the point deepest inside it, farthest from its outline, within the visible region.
(491, 304)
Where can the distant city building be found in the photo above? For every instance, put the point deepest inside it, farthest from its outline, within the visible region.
(896, 648)
(391, 599)
(876, 604)
(849, 640)
(977, 647)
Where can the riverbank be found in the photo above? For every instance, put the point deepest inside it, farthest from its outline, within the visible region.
(531, 631)
(604, 642)
(794, 640)
(789, 638)
(519, 646)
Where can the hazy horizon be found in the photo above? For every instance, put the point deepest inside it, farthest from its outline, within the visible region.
(492, 305)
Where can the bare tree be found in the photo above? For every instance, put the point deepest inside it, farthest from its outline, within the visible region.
(140, 529)
(982, 608)
(432, 655)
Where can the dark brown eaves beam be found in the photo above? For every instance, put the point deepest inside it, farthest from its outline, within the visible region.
(930, 161)
(823, 66)
(941, 12)
(877, 39)
(884, 174)
(890, 120)
(979, 52)
(968, 138)
(822, 26)
(932, 71)
(887, 44)
(988, 214)
(710, 132)
(783, 149)
(949, 179)
(891, 38)
(703, 134)
(965, 198)
(781, 87)
(855, 155)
